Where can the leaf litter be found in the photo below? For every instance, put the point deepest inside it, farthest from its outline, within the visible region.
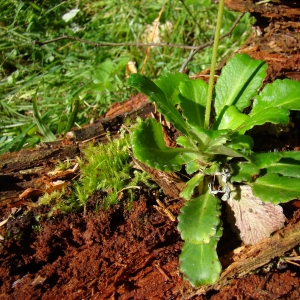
(255, 219)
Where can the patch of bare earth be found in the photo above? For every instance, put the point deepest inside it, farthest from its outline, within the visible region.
(117, 254)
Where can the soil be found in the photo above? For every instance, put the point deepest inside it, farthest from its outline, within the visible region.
(133, 253)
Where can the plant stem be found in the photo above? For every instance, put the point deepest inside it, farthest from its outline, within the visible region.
(213, 64)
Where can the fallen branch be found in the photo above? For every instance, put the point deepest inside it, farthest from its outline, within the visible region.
(106, 44)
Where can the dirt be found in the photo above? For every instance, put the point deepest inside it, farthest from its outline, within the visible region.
(133, 253)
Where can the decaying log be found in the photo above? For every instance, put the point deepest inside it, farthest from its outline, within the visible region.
(24, 169)
(272, 9)
(170, 183)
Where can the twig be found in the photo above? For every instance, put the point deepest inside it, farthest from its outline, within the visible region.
(195, 49)
(96, 44)
(198, 48)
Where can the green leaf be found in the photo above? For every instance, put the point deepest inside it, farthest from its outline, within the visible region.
(199, 219)
(212, 138)
(281, 93)
(169, 84)
(104, 70)
(188, 191)
(72, 117)
(223, 150)
(238, 83)
(264, 160)
(288, 165)
(193, 101)
(43, 128)
(243, 171)
(241, 142)
(200, 263)
(273, 104)
(155, 94)
(276, 189)
(120, 66)
(192, 167)
(232, 118)
(273, 115)
(149, 147)
(184, 142)
(213, 142)
(202, 137)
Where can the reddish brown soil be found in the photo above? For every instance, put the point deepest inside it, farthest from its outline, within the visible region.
(115, 254)
(133, 254)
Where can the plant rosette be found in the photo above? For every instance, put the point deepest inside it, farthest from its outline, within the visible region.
(220, 159)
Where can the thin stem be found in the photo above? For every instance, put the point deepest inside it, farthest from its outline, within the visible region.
(213, 64)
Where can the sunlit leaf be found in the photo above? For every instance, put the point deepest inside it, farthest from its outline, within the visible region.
(199, 262)
(273, 103)
(149, 147)
(199, 219)
(188, 191)
(263, 160)
(281, 93)
(243, 171)
(192, 167)
(288, 165)
(238, 83)
(155, 94)
(169, 84)
(276, 189)
(273, 115)
(232, 119)
(193, 95)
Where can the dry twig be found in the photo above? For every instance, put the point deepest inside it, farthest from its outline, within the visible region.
(195, 49)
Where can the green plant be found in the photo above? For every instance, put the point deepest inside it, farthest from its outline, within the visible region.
(222, 151)
(107, 168)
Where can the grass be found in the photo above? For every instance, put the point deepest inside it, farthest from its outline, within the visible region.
(45, 90)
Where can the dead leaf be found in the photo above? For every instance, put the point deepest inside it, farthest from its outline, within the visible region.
(255, 219)
(57, 186)
(30, 192)
(4, 221)
(38, 281)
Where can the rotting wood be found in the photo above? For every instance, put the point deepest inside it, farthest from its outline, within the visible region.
(24, 169)
(272, 9)
(62, 149)
(27, 159)
(170, 183)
